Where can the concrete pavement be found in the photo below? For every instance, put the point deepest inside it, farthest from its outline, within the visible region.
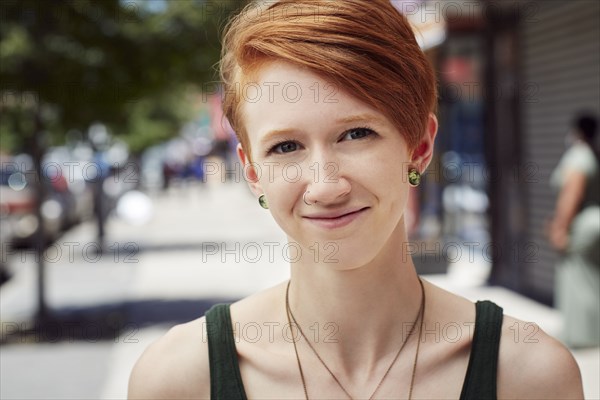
(205, 243)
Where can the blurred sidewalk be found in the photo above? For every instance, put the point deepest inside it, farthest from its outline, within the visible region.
(205, 244)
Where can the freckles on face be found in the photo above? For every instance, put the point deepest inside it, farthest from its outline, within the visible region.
(307, 134)
(298, 104)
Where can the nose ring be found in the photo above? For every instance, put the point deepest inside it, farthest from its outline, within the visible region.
(304, 198)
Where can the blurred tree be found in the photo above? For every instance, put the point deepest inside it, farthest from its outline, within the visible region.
(65, 64)
(76, 62)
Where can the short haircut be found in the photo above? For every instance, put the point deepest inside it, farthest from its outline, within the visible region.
(366, 48)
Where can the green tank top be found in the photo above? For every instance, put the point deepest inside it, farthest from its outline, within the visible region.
(480, 379)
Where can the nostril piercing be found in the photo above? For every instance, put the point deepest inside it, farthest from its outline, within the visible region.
(304, 198)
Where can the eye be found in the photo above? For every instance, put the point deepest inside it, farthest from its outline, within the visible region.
(283, 147)
(357, 133)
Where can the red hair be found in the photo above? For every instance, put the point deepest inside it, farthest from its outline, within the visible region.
(365, 47)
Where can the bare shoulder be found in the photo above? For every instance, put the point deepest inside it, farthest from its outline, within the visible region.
(175, 366)
(534, 365)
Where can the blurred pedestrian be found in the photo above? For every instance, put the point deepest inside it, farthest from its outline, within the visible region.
(574, 232)
(333, 103)
(222, 136)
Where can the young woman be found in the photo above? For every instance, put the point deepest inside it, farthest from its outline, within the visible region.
(333, 106)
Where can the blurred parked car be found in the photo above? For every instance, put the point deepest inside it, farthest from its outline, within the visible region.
(66, 169)
(18, 200)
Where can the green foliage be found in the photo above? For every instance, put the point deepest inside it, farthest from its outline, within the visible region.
(156, 119)
(118, 62)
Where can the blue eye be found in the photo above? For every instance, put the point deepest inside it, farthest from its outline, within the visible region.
(358, 133)
(283, 147)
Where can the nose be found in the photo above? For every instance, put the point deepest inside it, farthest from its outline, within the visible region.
(327, 185)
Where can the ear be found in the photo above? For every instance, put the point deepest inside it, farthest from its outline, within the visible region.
(249, 171)
(422, 154)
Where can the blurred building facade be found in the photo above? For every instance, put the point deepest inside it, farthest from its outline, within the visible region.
(512, 74)
(549, 51)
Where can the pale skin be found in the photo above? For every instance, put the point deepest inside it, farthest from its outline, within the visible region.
(369, 291)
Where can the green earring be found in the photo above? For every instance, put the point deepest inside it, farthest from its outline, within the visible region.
(262, 200)
(414, 177)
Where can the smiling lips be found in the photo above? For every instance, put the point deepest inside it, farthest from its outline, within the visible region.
(336, 219)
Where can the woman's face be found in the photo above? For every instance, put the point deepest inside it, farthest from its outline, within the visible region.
(309, 135)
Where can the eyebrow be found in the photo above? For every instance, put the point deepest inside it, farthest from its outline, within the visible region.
(359, 118)
(365, 118)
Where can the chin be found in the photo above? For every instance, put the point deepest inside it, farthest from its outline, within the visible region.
(343, 254)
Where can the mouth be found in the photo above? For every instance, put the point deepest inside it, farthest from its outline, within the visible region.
(337, 219)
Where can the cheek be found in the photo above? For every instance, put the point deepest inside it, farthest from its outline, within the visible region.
(281, 209)
(384, 175)
(382, 171)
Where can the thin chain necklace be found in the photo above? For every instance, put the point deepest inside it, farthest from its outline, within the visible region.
(421, 314)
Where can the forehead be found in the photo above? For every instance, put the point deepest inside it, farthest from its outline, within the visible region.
(285, 96)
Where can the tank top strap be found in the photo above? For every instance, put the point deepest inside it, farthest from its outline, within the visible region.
(480, 380)
(225, 378)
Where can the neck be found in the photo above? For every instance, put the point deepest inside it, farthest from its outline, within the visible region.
(353, 317)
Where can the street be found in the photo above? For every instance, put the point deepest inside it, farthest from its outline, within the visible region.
(204, 244)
